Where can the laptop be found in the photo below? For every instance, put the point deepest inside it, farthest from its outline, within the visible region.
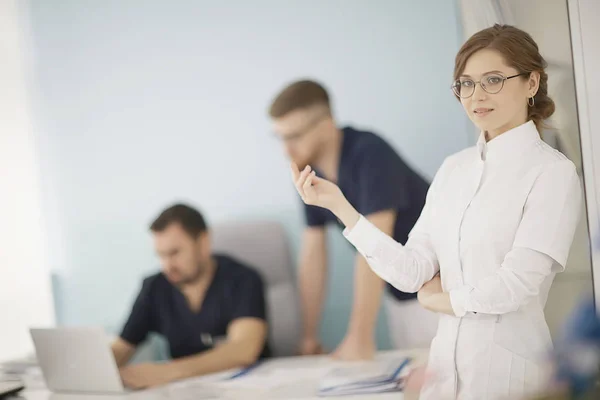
(10, 388)
(77, 360)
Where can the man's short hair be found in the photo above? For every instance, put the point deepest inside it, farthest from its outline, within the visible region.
(187, 217)
(298, 95)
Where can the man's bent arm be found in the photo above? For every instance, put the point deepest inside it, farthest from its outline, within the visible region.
(122, 351)
(246, 338)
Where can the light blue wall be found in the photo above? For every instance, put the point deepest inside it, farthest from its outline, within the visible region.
(141, 103)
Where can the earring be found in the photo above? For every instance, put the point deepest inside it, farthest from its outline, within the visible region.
(532, 102)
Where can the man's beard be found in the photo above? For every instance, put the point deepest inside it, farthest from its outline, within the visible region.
(313, 159)
(196, 276)
(301, 164)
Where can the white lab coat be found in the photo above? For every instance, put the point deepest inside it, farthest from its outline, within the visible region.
(498, 224)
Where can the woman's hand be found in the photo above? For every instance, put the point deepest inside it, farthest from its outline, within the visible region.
(320, 192)
(432, 287)
(433, 298)
(316, 191)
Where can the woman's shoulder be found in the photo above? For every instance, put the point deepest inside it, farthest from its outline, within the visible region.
(546, 155)
(543, 159)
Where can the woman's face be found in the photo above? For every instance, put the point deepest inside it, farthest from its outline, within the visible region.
(504, 105)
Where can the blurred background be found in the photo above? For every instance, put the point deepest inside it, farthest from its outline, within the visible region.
(112, 110)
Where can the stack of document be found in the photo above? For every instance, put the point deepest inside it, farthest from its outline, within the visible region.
(19, 366)
(377, 377)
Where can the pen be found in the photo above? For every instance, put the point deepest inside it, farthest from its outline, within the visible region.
(400, 368)
(244, 371)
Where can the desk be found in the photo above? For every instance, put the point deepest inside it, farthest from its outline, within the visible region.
(211, 386)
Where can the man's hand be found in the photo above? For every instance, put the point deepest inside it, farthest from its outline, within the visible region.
(147, 375)
(354, 348)
(310, 347)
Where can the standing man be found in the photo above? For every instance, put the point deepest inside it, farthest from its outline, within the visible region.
(210, 307)
(381, 186)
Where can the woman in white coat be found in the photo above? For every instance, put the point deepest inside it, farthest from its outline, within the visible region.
(497, 226)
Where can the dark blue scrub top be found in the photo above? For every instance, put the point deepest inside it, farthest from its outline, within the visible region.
(373, 177)
(236, 291)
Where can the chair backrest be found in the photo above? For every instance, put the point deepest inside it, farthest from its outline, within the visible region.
(263, 245)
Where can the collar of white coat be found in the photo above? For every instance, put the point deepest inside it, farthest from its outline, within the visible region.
(509, 143)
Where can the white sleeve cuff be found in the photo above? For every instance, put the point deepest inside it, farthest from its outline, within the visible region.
(364, 236)
(459, 299)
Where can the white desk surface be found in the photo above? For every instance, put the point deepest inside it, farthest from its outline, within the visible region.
(212, 387)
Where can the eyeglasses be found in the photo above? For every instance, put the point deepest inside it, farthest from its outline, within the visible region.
(295, 137)
(491, 83)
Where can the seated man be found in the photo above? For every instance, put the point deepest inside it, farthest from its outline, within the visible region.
(210, 308)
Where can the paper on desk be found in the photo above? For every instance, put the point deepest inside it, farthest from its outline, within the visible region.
(197, 388)
(19, 366)
(193, 391)
(271, 379)
(373, 377)
(389, 387)
(367, 373)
